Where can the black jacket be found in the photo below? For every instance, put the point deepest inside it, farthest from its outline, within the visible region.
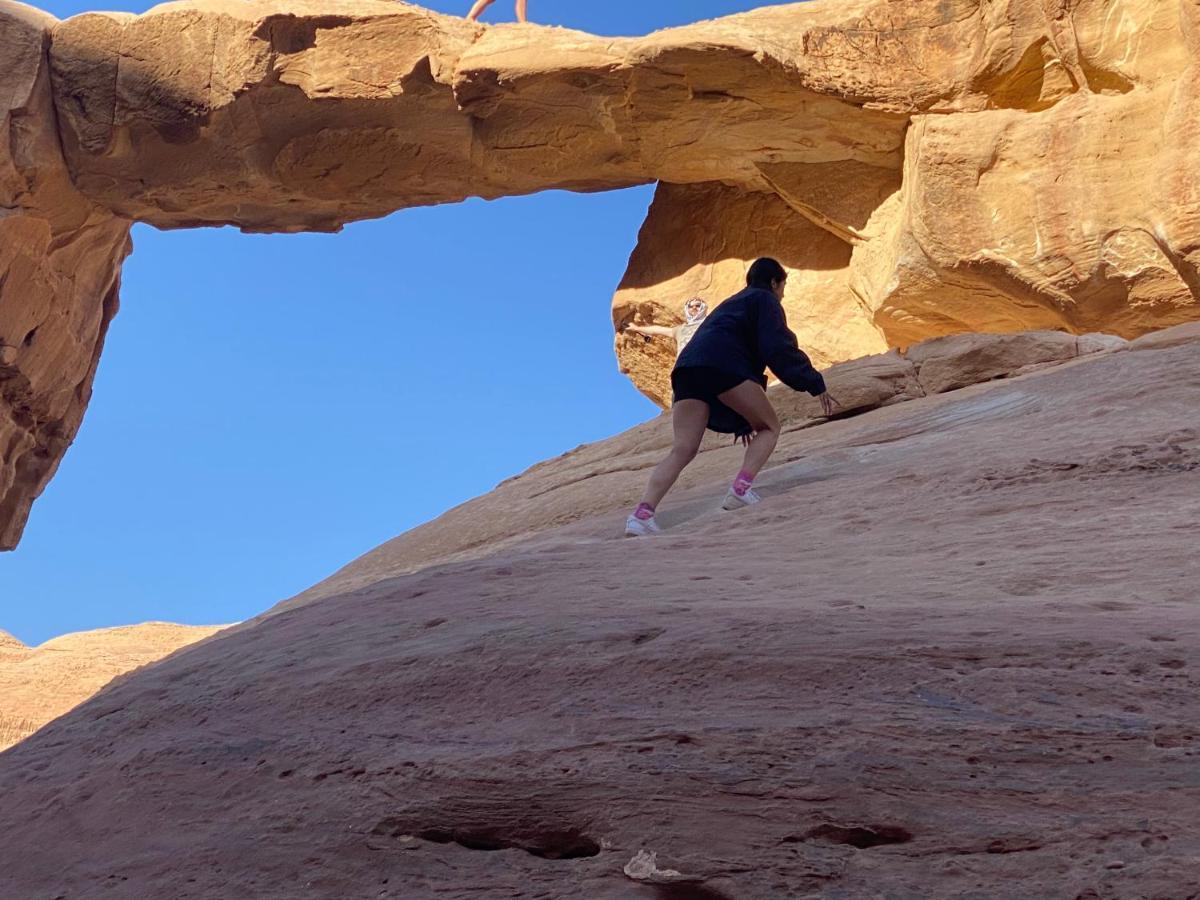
(743, 336)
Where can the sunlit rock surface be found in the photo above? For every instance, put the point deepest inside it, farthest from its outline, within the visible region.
(922, 169)
(38, 684)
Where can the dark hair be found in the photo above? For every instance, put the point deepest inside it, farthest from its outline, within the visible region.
(764, 272)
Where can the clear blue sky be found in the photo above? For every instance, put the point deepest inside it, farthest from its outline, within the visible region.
(270, 407)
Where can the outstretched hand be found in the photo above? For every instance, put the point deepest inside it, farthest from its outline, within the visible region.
(829, 406)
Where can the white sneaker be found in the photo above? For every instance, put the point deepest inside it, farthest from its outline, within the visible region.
(733, 501)
(635, 527)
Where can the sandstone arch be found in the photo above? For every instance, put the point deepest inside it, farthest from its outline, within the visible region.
(950, 165)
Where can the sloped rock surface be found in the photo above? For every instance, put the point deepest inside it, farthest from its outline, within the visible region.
(951, 654)
(595, 478)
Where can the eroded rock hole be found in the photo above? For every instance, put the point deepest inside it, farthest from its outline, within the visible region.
(552, 844)
(688, 892)
(288, 34)
(860, 837)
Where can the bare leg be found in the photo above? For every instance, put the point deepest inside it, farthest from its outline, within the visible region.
(750, 401)
(478, 8)
(689, 419)
(522, 10)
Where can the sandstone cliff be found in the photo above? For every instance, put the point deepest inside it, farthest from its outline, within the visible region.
(952, 654)
(922, 168)
(38, 684)
(60, 263)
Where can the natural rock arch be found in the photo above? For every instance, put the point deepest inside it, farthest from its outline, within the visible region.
(955, 166)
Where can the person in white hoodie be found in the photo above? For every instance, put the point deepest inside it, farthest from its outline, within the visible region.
(481, 5)
(694, 311)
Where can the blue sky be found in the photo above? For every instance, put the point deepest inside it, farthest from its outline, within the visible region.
(270, 407)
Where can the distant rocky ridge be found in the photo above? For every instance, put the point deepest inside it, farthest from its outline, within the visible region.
(39, 684)
(923, 169)
(8, 642)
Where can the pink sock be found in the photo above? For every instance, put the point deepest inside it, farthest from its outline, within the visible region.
(742, 483)
(644, 511)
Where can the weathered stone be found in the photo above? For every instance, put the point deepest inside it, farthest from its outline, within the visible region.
(931, 168)
(1170, 337)
(60, 259)
(1011, 221)
(949, 655)
(956, 361)
(278, 115)
(1093, 342)
(857, 386)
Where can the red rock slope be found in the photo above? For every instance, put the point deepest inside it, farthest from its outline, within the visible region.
(954, 654)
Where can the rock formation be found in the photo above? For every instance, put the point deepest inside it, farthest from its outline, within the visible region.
(38, 684)
(60, 262)
(952, 654)
(923, 169)
(561, 491)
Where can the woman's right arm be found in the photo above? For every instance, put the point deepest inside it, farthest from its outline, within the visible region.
(777, 345)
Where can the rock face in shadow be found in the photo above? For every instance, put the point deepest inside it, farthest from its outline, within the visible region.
(951, 654)
(38, 684)
(925, 169)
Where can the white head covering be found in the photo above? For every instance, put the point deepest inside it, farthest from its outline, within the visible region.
(693, 317)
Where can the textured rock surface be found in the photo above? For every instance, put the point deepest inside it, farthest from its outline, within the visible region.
(1171, 337)
(952, 654)
(1040, 186)
(595, 478)
(60, 258)
(680, 255)
(924, 169)
(298, 115)
(38, 684)
(953, 362)
(984, 237)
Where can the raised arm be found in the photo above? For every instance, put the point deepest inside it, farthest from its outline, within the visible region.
(651, 330)
(779, 350)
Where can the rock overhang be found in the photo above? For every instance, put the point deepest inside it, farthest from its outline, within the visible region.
(954, 166)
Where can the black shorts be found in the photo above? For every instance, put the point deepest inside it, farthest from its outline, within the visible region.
(702, 383)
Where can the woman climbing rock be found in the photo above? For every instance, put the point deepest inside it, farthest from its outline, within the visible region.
(481, 5)
(719, 383)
